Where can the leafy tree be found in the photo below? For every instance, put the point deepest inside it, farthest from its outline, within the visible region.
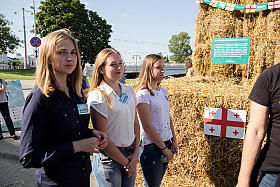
(17, 63)
(91, 31)
(8, 41)
(165, 58)
(179, 45)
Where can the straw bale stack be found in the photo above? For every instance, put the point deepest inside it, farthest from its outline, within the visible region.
(202, 160)
(262, 27)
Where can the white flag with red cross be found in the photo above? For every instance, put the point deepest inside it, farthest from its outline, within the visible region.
(225, 122)
(198, 1)
(250, 8)
(214, 3)
(275, 4)
(230, 7)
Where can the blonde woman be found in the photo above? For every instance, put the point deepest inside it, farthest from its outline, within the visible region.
(158, 140)
(54, 136)
(188, 68)
(112, 106)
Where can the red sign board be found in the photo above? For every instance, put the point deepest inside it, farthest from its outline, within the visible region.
(35, 42)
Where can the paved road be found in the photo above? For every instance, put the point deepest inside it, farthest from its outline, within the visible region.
(27, 86)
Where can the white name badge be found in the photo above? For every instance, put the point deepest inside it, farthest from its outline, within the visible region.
(124, 98)
(83, 109)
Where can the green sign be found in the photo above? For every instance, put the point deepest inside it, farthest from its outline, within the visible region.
(231, 50)
(261, 7)
(207, 1)
(221, 5)
(239, 7)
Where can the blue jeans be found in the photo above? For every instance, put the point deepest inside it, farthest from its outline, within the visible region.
(268, 180)
(152, 168)
(109, 173)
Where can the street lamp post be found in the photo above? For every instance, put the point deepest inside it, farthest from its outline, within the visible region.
(136, 56)
(24, 37)
(34, 13)
(35, 32)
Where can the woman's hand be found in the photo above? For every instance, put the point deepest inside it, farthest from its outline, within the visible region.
(89, 145)
(102, 136)
(174, 146)
(168, 154)
(2, 90)
(130, 172)
(132, 165)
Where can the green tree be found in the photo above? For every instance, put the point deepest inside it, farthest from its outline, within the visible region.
(165, 58)
(8, 41)
(179, 45)
(17, 63)
(91, 31)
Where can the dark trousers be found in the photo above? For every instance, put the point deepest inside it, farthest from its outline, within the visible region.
(4, 109)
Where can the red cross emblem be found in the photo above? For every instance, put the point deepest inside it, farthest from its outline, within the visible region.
(236, 115)
(212, 129)
(235, 132)
(212, 113)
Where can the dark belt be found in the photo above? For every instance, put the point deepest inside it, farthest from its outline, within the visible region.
(127, 149)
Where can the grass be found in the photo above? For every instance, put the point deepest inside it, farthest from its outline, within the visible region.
(17, 74)
(29, 74)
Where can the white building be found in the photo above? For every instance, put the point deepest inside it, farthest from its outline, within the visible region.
(3, 61)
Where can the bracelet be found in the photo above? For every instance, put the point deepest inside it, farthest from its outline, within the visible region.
(163, 148)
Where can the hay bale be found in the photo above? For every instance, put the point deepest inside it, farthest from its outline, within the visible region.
(202, 160)
(262, 27)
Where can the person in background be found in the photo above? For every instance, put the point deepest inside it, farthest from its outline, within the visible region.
(85, 86)
(4, 109)
(55, 136)
(158, 139)
(261, 166)
(113, 106)
(85, 72)
(188, 68)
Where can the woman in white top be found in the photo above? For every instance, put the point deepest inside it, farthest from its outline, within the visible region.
(113, 110)
(157, 134)
(188, 68)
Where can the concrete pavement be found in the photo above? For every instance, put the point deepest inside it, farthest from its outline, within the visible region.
(27, 86)
(11, 172)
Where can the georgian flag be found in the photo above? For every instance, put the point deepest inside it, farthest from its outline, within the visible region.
(214, 3)
(225, 122)
(250, 8)
(275, 4)
(230, 7)
(198, 1)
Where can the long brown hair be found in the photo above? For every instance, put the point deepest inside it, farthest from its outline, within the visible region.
(97, 77)
(45, 72)
(145, 76)
(188, 64)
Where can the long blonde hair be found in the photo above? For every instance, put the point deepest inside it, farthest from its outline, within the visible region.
(45, 72)
(97, 77)
(145, 76)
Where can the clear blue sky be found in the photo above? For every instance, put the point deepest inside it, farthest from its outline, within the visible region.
(139, 27)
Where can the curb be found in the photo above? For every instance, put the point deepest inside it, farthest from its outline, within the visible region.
(10, 157)
(9, 148)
